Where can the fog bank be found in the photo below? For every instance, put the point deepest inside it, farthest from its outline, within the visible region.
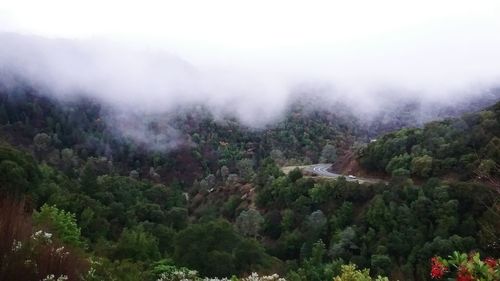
(250, 60)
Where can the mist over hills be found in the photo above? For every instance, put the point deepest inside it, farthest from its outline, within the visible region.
(188, 177)
(133, 79)
(249, 141)
(160, 129)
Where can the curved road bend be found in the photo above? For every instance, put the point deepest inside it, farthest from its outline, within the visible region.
(321, 170)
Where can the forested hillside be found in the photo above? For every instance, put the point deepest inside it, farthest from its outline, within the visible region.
(84, 199)
(463, 148)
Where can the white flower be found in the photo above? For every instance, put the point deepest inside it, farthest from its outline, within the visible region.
(42, 234)
(62, 278)
(52, 277)
(180, 275)
(48, 277)
(255, 277)
(60, 251)
(16, 245)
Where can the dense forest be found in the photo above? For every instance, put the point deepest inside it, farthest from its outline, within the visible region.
(461, 148)
(196, 195)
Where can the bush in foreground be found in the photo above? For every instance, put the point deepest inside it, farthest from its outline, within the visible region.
(463, 267)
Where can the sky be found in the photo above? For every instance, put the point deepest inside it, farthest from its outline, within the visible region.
(249, 56)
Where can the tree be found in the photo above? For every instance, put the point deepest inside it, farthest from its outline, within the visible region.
(278, 156)
(249, 255)
(399, 162)
(245, 168)
(12, 178)
(328, 154)
(378, 215)
(343, 242)
(422, 166)
(137, 244)
(88, 178)
(315, 226)
(224, 172)
(315, 268)
(249, 222)
(177, 217)
(272, 224)
(18, 172)
(295, 174)
(41, 142)
(351, 273)
(61, 223)
(343, 216)
(288, 220)
(201, 246)
(316, 222)
(381, 264)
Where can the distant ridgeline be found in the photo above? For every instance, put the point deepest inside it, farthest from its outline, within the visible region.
(200, 143)
(415, 113)
(462, 148)
(81, 201)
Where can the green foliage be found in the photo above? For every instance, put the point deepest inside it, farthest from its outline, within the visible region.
(351, 273)
(249, 222)
(316, 224)
(295, 174)
(214, 249)
(138, 245)
(245, 168)
(118, 270)
(382, 227)
(343, 243)
(29, 253)
(61, 223)
(328, 154)
(421, 166)
(378, 215)
(398, 162)
(136, 206)
(316, 268)
(343, 216)
(465, 146)
(381, 264)
(18, 172)
(466, 267)
(14, 177)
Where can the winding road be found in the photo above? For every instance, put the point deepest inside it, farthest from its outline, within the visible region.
(321, 170)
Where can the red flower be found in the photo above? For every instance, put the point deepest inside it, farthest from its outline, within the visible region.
(464, 275)
(437, 268)
(437, 272)
(491, 262)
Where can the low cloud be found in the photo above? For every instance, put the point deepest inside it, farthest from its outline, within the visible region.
(251, 61)
(139, 80)
(154, 81)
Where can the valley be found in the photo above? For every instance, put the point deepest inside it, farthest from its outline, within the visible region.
(390, 207)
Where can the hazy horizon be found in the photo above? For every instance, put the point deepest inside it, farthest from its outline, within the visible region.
(251, 58)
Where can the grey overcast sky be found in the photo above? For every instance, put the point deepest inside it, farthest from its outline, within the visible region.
(247, 50)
